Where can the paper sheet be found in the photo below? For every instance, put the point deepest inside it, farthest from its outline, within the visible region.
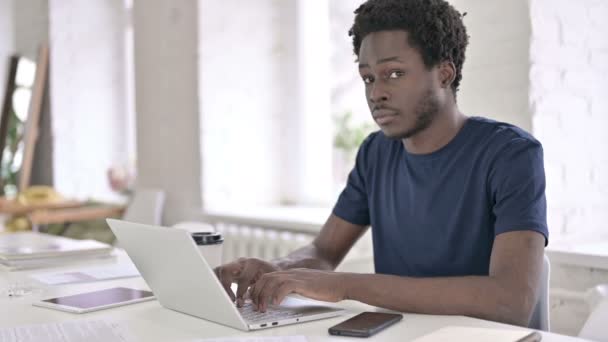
(71, 331)
(88, 274)
(255, 339)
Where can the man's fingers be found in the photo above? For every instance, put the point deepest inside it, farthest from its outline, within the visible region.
(257, 287)
(282, 291)
(267, 293)
(227, 275)
(226, 283)
(267, 285)
(247, 273)
(243, 286)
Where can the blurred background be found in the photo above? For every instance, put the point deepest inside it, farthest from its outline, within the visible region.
(249, 113)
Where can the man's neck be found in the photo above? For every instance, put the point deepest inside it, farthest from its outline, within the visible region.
(441, 131)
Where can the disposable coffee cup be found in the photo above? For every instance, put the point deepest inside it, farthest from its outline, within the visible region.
(210, 246)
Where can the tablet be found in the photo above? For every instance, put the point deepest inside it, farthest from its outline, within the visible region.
(96, 300)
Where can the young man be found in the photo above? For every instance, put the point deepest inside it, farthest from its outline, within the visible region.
(456, 204)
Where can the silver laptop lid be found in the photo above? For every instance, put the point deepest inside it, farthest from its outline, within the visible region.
(165, 258)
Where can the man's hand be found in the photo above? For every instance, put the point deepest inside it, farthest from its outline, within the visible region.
(271, 288)
(245, 272)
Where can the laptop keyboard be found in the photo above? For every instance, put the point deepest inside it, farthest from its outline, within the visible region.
(271, 314)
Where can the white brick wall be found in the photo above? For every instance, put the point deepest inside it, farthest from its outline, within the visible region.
(569, 66)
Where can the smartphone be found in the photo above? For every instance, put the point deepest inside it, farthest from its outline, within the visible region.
(365, 324)
(96, 300)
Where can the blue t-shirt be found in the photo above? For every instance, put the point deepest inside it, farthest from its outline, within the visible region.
(437, 214)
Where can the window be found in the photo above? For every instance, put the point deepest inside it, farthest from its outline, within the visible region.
(269, 107)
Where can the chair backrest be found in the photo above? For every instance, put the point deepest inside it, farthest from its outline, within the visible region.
(595, 328)
(146, 207)
(540, 316)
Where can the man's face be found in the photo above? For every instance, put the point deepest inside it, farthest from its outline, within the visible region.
(402, 93)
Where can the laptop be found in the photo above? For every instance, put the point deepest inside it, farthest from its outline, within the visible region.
(171, 264)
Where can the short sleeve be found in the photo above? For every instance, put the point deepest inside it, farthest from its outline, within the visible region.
(517, 182)
(352, 204)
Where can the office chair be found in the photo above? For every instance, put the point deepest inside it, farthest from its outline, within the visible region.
(540, 316)
(595, 328)
(146, 207)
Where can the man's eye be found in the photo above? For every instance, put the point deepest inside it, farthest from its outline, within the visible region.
(367, 79)
(395, 74)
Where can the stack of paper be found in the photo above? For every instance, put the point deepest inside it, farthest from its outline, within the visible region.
(33, 250)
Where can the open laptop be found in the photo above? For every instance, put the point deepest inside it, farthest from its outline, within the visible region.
(171, 264)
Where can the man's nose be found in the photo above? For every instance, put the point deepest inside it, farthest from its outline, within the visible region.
(378, 93)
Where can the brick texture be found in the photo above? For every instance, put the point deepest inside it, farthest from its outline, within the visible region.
(568, 59)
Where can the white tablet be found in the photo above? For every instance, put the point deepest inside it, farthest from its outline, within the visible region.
(96, 300)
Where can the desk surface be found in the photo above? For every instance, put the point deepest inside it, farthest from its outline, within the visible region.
(149, 321)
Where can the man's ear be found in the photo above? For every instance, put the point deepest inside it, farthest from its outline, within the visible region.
(447, 74)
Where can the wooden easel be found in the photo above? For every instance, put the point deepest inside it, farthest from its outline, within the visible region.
(33, 118)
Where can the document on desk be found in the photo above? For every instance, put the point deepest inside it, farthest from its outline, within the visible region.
(255, 339)
(71, 331)
(88, 274)
(470, 334)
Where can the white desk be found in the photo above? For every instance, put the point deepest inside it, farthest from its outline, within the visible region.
(149, 321)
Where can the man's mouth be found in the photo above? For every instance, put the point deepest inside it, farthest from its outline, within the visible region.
(384, 116)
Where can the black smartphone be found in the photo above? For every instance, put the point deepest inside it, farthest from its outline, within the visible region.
(365, 324)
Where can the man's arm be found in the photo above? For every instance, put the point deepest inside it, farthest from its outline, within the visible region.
(507, 294)
(328, 249)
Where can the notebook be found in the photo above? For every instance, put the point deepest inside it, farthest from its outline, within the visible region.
(449, 334)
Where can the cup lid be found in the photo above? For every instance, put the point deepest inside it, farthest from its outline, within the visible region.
(207, 238)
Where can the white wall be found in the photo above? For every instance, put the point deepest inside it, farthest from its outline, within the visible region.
(569, 68)
(88, 90)
(31, 26)
(495, 74)
(166, 101)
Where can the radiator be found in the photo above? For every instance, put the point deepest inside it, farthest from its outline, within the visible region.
(253, 241)
(257, 242)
